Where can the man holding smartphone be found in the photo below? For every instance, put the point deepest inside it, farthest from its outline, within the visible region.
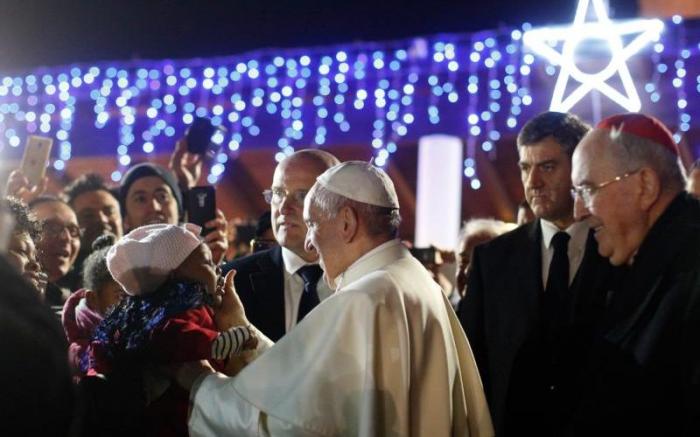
(279, 286)
(150, 194)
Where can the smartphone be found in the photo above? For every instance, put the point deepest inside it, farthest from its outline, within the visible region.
(36, 158)
(201, 206)
(203, 138)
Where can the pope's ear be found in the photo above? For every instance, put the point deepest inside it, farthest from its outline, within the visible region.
(349, 223)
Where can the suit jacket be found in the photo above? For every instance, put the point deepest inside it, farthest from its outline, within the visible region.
(644, 370)
(502, 314)
(259, 283)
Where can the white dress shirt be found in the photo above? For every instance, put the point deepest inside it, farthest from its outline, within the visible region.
(294, 287)
(577, 246)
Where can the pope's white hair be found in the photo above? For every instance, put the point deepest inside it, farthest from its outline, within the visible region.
(379, 220)
(631, 152)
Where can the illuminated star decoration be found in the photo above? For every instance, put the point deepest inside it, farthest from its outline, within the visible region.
(539, 41)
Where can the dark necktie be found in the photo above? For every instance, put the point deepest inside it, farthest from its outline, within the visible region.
(309, 297)
(557, 281)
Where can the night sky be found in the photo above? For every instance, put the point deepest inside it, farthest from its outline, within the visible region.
(39, 32)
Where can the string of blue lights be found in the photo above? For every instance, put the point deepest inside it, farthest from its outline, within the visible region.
(477, 86)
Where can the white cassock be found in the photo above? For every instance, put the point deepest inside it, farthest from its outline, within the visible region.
(384, 356)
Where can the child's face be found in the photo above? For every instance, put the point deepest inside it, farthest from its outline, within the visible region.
(199, 267)
(110, 294)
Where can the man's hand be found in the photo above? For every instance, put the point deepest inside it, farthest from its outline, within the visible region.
(230, 313)
(19, 187)
(186, 166)
(217, 239)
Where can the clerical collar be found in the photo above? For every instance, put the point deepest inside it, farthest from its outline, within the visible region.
(375, 259)
(293, 262)
(577, 230)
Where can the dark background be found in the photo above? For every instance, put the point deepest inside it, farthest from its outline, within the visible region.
(53, 32)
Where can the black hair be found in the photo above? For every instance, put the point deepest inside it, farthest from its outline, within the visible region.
(24, 219)
(95, 272)
(566, 129)
(85, 184)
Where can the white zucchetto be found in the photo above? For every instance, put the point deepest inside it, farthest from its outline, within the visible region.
(362, 182)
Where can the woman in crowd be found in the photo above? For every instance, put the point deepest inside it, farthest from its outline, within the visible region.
(21, 251)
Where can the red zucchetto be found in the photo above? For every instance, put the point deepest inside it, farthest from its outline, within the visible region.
(643, 126)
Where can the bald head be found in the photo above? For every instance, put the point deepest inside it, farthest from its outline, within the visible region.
(313, 159)
(293, 178)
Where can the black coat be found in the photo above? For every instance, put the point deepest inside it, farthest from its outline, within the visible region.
(502, 313)
(259, 282)
(644, 370)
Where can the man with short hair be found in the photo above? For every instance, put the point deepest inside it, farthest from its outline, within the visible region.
(97, 209)
(693, 186)
(384, 355)
(58, 245)
(643, 376)
(279, 286)
(534, 293)
(150, 194)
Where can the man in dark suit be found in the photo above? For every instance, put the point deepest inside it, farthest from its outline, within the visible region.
(279, 286)
(643, 375)
(534, 294)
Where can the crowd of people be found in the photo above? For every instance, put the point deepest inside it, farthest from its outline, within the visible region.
(581, 319)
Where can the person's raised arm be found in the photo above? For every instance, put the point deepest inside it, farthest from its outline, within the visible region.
(18, 186)
(186, 166)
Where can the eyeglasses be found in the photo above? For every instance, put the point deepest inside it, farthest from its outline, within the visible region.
(54, 229)
(275, 196)
(586, 192)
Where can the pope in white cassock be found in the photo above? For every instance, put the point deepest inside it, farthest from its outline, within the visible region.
(384, 356)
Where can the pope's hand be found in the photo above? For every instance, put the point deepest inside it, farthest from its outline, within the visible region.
(230, 313)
